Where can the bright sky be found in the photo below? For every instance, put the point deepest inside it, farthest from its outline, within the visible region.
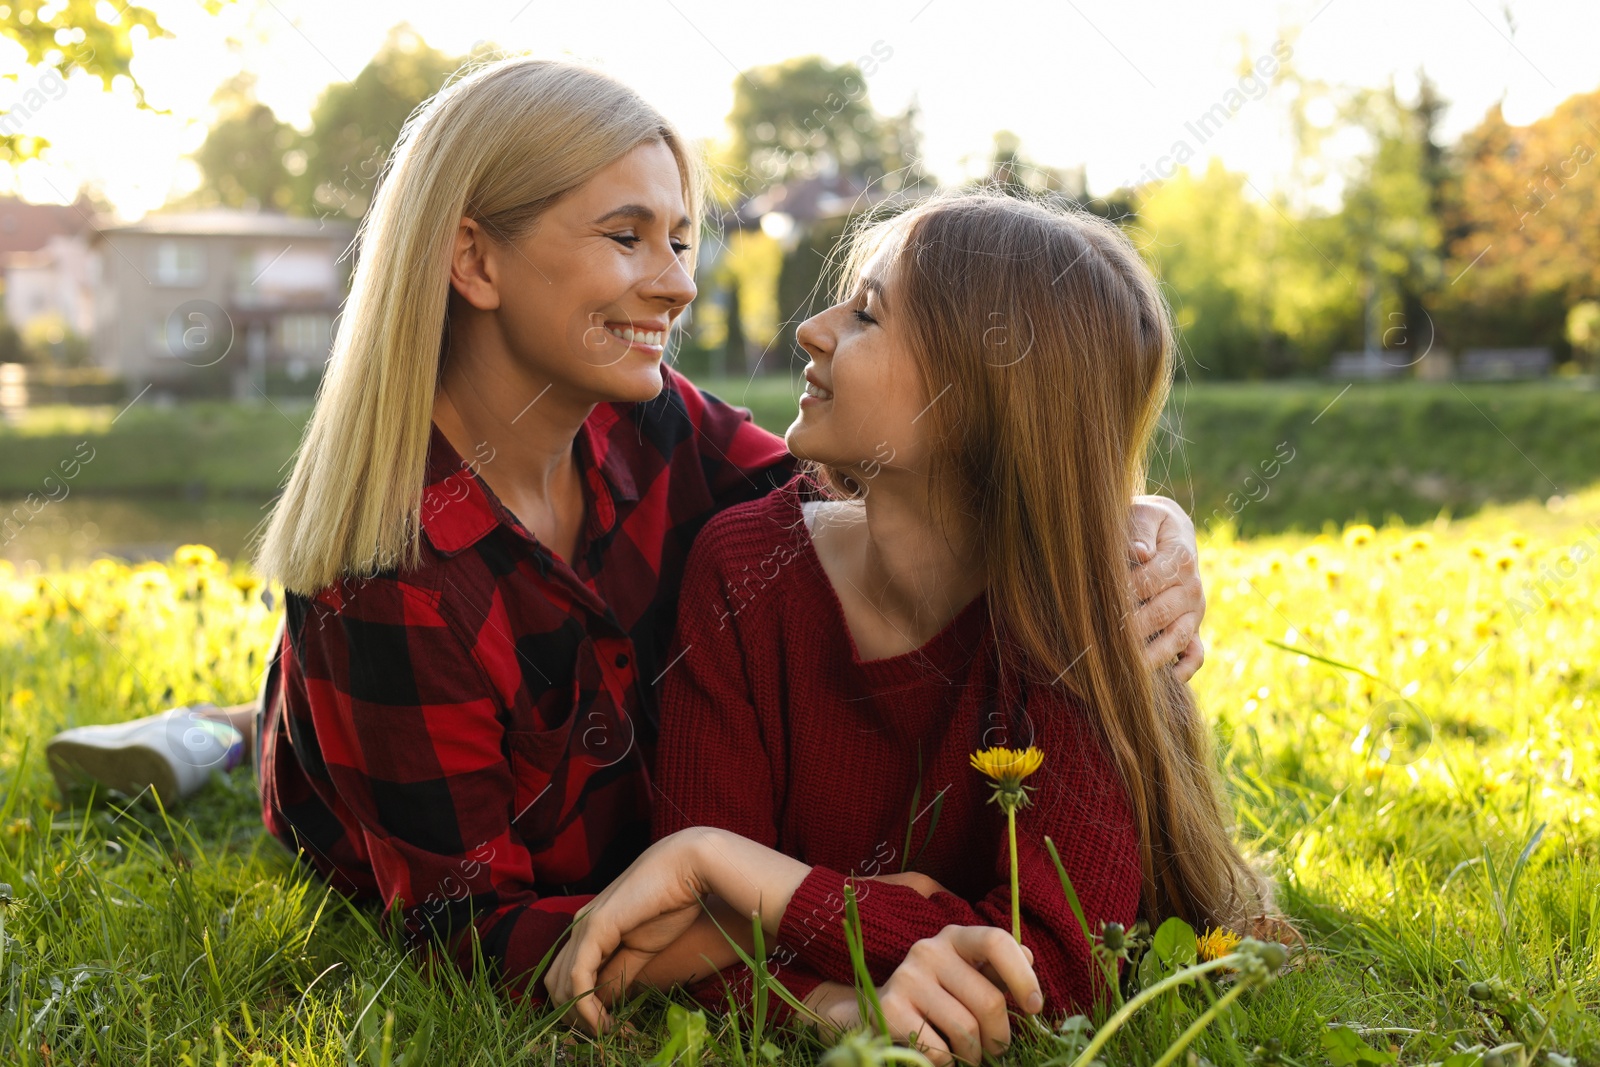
(1104, 83)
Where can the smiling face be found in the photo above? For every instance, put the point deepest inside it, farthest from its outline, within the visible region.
(864, 391)
(585, 300)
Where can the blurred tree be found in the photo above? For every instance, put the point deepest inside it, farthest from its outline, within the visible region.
(1392, 234)
(66, 35)
(354, 124)
(249, 159)
(804, 117)
(1583, 333)
(1525, 246)
(1209, 244)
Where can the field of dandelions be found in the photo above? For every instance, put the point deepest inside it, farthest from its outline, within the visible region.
(1406, 724)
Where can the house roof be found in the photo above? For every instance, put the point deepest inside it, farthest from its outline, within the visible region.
(225, 222)
(26, 227)
(808, 200)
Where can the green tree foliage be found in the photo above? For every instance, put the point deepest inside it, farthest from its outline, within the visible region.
(252, 158)
(249, 156)
(1208, 243)
(61, 36)
(1391, 235)
(354, 124)
(806, 116)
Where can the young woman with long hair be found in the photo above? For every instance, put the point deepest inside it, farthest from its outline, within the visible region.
(949, 578)
(484, 535)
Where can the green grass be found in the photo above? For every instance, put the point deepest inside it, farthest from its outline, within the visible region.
(1408, 450)
(1429, 818)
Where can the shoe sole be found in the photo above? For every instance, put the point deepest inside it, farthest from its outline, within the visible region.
(129, 769)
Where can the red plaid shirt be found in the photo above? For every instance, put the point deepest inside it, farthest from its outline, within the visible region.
(471, 740)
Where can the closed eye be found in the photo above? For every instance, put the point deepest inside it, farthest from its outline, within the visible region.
(862, 316)
(628, 240)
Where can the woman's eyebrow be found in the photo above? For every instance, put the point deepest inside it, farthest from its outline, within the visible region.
(872, 285)
(636, 213)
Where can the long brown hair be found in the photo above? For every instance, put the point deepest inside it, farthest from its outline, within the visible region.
(1051, 347)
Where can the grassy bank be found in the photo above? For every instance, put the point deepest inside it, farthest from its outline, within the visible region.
(1428, 814)
(1266, 457)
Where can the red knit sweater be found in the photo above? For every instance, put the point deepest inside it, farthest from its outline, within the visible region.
(775, 728)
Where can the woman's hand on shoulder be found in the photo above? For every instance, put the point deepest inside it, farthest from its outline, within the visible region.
(948, 997)
(1165, 582)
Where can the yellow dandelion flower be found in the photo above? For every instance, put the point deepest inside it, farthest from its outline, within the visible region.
(194, 555)
(1478, 550)
(1359, 535)
(22, 698)
(1482, 629)
(1007, 767)
(1505, 559)
(151, 579)
(246, 583)
(1215, 944)
(1420, 542)
(1519, 541)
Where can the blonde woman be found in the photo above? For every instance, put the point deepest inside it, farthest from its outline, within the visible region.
(484, 535)
(952, 580)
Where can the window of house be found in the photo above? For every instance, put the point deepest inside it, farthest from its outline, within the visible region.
(304, 335)
(180, 263)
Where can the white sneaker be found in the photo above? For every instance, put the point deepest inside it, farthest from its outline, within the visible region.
(172, 752)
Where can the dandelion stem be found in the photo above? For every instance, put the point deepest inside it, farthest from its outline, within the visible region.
(1016, 892)
(1113, 1024)
(1201, 1023)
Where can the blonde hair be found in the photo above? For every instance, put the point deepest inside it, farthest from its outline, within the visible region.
(499, 145)
(1052, 347)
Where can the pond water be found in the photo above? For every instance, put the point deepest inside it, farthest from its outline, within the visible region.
(83, 527)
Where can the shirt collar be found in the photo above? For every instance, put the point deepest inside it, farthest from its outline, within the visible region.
(459, 508)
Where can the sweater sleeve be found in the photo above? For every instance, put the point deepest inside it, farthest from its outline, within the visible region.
(1082, 808)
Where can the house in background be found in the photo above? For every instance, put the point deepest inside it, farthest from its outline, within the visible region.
(48, 269)
(246, 293)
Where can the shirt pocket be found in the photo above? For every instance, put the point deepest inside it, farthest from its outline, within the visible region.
(541, 767)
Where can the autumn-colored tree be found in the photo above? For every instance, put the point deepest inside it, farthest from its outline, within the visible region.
(1526, 247)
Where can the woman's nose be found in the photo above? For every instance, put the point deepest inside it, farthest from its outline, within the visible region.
(673, 285)
(814, 336)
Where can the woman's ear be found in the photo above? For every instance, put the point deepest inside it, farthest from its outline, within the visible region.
(472, 266)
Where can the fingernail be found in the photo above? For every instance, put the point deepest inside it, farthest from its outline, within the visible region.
(1035, 1002)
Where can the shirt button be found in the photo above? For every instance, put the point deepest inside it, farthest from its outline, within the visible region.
(622, 659)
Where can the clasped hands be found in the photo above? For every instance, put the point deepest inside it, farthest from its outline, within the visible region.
(662, 922)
